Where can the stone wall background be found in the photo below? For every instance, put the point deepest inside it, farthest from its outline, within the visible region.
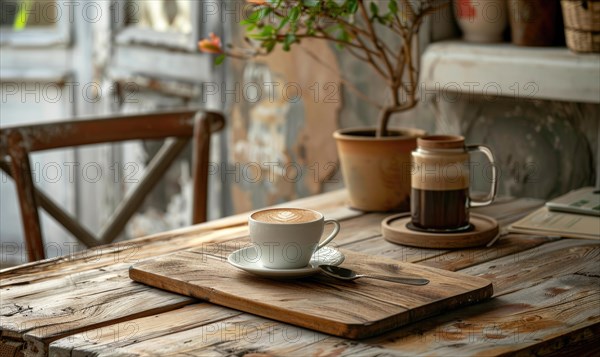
(543, 148)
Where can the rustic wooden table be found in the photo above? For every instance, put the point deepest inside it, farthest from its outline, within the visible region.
(546, 298)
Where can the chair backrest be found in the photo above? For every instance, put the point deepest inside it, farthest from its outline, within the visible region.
(16, 143)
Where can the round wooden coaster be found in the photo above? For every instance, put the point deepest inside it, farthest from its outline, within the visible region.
(394, 230)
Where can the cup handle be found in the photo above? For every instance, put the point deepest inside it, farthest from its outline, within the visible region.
(490, 197)
(336, 230)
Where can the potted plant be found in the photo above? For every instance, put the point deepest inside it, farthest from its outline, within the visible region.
(375, 161)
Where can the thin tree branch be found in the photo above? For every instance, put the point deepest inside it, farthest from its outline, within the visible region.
(374, 38)
(409, 10)
(386, 114)
(371, 60)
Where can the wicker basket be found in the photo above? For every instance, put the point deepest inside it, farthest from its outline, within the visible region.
(582, 24)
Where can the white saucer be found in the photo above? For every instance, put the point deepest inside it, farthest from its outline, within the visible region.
(247, 259)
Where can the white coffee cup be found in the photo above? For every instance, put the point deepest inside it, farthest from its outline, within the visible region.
(286, 238)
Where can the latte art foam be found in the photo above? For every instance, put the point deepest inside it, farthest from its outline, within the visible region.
(286, 216)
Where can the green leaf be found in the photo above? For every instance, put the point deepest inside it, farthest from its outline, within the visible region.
(267, 31)
(352, 6)
(264, 12)
(219, 59)
(283, 23)
(269, 45)
(288, 41)
(294, 14)
(344, 36)
(374, 9)
(393, 6)
(252, 18)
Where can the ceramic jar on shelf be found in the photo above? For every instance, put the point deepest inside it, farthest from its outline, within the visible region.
(481, 21)
(535, 22)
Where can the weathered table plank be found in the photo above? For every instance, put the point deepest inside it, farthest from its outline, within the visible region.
(547, 294)
(117, 338)
(506, 246)
(43, 319)
(515, 325)
(350, 309)
(552, 260)
(508, 323)
(103, 256)
(540, 317)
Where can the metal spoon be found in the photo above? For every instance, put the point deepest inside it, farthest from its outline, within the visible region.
(347, 274)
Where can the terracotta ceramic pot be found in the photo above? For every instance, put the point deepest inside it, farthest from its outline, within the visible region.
(481, 21)
(377, 170)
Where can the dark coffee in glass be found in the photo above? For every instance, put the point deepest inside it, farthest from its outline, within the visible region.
(440, 198)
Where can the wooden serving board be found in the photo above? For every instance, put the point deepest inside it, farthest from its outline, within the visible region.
(356, 309)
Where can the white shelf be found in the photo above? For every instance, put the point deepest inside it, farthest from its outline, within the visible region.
(553, 73)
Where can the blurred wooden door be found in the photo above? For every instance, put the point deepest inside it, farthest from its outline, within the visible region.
(41, 79)
(154, 64)
(64, 59)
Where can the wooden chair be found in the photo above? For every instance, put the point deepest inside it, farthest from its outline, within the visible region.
(16, 143)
